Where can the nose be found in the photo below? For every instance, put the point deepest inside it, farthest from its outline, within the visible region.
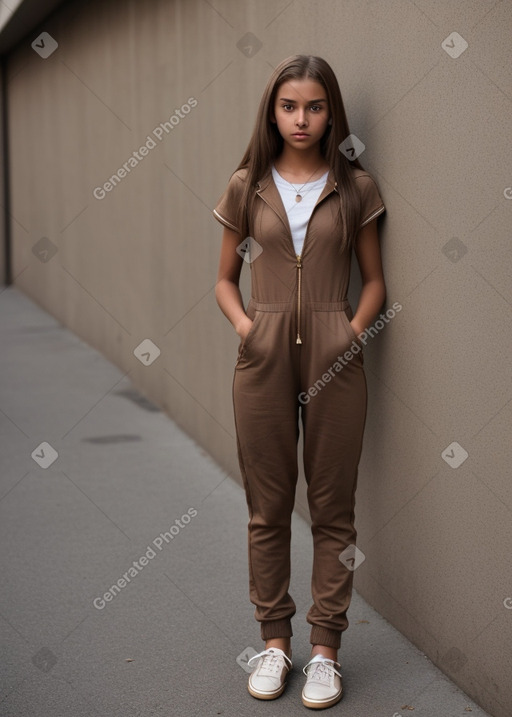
(301, 119)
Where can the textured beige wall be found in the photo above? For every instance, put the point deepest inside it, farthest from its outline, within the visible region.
(2, 202)
(141, 263)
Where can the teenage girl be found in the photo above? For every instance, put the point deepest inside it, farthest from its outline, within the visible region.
(295, 208)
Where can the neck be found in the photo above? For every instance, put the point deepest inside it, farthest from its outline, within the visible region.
(301, 161)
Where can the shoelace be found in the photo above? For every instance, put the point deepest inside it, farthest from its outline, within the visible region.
(321, 671)
(270, 660)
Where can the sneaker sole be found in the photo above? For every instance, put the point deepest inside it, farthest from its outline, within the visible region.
(266, 695)
(321, 704)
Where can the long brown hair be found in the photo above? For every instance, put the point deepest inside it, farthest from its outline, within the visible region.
(266, 143)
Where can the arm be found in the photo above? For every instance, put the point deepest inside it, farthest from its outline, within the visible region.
(373, 293)
(227, 291)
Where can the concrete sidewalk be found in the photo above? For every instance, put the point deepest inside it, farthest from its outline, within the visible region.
(130, 500)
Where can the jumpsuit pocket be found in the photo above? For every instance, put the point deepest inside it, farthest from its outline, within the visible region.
(350, 329)
(245, 342)
(332, 334)
(352, 334)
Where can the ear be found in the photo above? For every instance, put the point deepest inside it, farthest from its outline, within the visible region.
(330, 121)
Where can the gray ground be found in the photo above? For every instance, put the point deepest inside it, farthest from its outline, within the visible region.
(173, 639)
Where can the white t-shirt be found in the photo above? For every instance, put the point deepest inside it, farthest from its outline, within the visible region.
(299, 212)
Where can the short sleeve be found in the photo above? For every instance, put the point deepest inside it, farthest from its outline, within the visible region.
(226, 208)
(371, 201)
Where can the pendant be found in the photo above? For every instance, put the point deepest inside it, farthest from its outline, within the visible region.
(298, 198)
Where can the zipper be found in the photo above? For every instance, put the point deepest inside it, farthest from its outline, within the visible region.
(298, 340)
(299, 287)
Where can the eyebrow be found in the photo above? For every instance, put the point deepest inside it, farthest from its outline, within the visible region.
(283, 99)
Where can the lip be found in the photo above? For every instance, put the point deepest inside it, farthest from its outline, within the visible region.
(300, 134)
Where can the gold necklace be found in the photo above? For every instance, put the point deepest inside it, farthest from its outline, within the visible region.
(298, 195)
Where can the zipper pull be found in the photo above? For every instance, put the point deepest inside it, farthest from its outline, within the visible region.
(298, 340)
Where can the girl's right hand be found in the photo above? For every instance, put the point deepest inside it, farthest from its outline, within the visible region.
(244, 327)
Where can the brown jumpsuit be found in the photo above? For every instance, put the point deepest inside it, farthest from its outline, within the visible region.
(301, 352)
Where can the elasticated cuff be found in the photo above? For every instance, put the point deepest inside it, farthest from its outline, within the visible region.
(276, 628)
(324, 636)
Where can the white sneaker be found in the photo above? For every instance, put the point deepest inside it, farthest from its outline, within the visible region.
(323, 686)
(267, 681)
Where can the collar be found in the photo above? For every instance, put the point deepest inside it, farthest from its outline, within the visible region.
(267, 190)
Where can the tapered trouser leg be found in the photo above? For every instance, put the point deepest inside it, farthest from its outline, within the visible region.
(333, 421)
(266, 416)
(272, 381)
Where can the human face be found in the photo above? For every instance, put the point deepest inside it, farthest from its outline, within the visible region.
(301, 112)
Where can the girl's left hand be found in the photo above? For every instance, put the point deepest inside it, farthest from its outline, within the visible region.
(356, 329)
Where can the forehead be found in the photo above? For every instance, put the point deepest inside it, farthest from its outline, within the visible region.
(304, 90)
